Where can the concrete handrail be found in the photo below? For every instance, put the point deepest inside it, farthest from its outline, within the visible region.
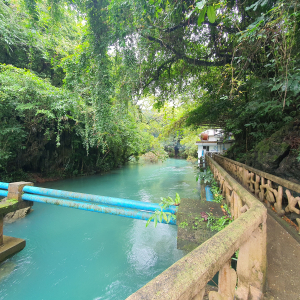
(286, 183)
(187, 278)
(266, 187)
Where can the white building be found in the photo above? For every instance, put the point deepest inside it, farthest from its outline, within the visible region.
(212, 140)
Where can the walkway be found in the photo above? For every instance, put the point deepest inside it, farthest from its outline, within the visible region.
(283, 253)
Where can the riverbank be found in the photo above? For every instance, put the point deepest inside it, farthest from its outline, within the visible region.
(39, 178)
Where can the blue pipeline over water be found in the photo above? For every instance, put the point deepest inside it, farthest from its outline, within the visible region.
(3, 189)
(97, 199)
(112, 210)
(116, 206)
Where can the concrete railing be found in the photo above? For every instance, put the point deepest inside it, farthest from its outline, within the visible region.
(187, 278)
(264, 186)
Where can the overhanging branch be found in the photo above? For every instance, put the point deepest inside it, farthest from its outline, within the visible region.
(190, 60)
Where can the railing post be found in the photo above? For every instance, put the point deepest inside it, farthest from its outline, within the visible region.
(200, 295)
(227, 283)
(252, 265)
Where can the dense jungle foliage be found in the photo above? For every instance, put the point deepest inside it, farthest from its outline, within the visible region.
(74, 73)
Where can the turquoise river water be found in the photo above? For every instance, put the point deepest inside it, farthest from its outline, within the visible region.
(75, 254)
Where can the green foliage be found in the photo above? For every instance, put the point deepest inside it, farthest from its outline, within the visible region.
(225, 64)
(216, 192)
(166, 202)
(206, 176)
(217, 224)
(183, 224)
(159, 215)
(35, 116)
(29, 107)
(39, 44)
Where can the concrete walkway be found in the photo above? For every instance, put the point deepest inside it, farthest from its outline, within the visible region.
(283, 275)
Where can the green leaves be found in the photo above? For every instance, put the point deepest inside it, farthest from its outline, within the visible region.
(207, 176)
(200, 4)
(166, 202)
(201, 16)
(211, 14)
(160, 215)
(203, 8)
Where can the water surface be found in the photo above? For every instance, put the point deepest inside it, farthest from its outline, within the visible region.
(75, 254)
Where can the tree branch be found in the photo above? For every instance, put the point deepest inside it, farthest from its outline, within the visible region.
(190, 60)
(159, 69)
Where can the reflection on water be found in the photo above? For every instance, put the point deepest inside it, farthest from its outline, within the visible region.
(6, 268)
(73, 254)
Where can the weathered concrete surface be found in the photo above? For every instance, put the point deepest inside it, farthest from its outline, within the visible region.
(283, 252)
(12, 206)
(10, 247)
(195, 231)
(16, 215)
(15, 189)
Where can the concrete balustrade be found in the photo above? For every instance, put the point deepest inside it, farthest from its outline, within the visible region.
(187, 278)
(266, 187)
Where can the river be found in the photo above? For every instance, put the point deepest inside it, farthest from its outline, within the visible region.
(75, 254)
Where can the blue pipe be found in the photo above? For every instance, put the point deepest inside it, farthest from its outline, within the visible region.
(208, 194)
(124, 212)
(98, 199)
(4, 185)
(3, 193)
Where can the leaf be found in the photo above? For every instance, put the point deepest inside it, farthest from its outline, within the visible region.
(202, 16)
(200, 4)
(211, 14)
(155, 221)
(169, 218)
(177, 199)
(148, 222)
(165, 217)
(189, 14)
(276, 87)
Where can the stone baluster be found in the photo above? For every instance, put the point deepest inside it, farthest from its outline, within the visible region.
(237, 205)
(245, 178)
(200, 295)
(262, 189)
(227, 283)
(256, 185)
(252, 265)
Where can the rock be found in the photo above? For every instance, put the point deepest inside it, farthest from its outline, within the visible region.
(278, 154)
(18, 214)
(268, 154)
(289, 168)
